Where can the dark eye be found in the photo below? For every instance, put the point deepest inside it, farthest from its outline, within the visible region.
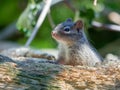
(67, 29)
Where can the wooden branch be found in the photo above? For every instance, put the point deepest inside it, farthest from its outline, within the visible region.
(11, 30)
(69, 5)
(94, 23)
(111, 15)
(51, 20)
(27, 73)
(95, 2)
(72, 7)
(110, 27)
(41, 18)
(114, 17)
(39, 21)
(54, 2)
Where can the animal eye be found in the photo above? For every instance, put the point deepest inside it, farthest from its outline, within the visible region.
(67, 29)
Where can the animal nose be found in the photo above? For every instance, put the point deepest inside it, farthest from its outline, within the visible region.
(54, 33)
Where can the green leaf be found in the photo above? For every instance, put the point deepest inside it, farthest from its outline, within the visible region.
(27, 19)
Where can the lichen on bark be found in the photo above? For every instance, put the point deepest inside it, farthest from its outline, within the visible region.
(30, 73)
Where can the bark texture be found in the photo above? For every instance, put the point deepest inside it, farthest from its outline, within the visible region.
(25, 69)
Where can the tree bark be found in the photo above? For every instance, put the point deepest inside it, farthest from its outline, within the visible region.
(21, 72)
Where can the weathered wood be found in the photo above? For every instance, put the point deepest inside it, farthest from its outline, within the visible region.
(28, 73)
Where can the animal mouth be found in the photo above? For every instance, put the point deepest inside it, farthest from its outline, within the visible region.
(55, 36)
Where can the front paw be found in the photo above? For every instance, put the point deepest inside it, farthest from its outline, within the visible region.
(47, 56)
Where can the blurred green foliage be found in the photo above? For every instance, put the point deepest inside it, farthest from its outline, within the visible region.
(11, 10)
(27, 20)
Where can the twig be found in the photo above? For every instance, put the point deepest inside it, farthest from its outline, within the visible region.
(39, 22)
(68, 3)
(114, 17)
(95, 2)
(11, 30)
(94, 23)
(75, 10)
(51, 20)
(54, 2)
(106, 26)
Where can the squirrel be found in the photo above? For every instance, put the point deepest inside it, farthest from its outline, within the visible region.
(74, 47)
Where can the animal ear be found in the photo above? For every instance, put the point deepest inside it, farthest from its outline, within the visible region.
(69, 20)
(79, 24)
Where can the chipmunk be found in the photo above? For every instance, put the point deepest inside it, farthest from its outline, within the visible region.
(74, 47)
